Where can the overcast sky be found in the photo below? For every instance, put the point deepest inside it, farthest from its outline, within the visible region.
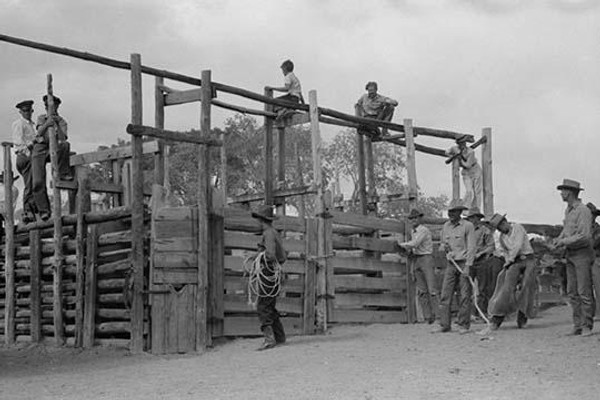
(526, 68)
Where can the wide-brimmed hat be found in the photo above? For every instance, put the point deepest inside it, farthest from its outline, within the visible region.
(265, 213)
(415, 213)
(570, 184)
(24, 104)
(474, 212)
(15, 177)
(456, 204)
(496, 220)
(593, 209)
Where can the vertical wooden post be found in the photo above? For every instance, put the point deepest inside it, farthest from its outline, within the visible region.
(411, 166)
(83, 205)
(89, 314)
(217, 265)
(310, 267)
(137, 211)
(161, 158)
(299, 180)
(223, 169)
(9, 261)
(35, 257)
(321, 310)
(362, 191)
(59, 335)
(116, 179)
(203, 335)
(455, 180)
(268, 152)
(280, 202)
(487, 175)
(370, 166)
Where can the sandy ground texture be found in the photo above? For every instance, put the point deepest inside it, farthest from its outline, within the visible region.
(350, 362)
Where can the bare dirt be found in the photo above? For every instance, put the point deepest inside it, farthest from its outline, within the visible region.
(349, 362)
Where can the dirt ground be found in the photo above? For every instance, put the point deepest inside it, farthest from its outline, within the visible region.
(350, 362)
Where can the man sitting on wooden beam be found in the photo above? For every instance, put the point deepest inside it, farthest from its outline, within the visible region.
(375, 106)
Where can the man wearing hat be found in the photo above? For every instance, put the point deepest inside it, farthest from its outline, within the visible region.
(576, 239)
(269, 285)
(596, 245)
(470, 170)
(421, 248)
(375, 106)
(484, 249)
(515, 288)
(23, 136)
(41, 155)
(458, 242)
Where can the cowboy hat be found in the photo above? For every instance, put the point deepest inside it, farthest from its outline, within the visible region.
(456, 204)
(570, 184)
(496, 220)
(474, 212)
(414, 213)
(593, 209)
(264, 213)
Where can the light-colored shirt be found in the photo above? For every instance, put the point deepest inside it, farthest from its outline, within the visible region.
(484, 241)
(62, 132)
(372, 106)
(460, 237)
(421, 242)
(15, 193)
(23, 134)
(271, 242)
(577, 226)
(467, 160)
(292, 83)
(515, 243)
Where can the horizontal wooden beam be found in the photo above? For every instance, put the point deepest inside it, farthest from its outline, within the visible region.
(296, 191)
(142, 130)
(111, 154)
(183, 96)
(98, 187)
(363, 221)
(419, 147)
(243, 110)
(296, 119)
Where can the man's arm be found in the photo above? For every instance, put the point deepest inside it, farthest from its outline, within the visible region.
(583, 234)
(390, 101)
(417, 239)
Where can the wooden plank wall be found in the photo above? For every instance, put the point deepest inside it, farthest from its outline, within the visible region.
(241, 238)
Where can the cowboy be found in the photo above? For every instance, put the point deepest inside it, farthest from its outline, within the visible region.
(576, 239)
(291, 87)
(515, 288)
(23, 136)
(458, 242)
(375, 106)
(274, 256)
(470, 171)
(421, 248)
(596, 245)
(40, 155)
(484, 250)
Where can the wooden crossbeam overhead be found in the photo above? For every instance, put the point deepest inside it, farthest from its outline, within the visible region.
(110, 154)
(142, 130)
(296, 191)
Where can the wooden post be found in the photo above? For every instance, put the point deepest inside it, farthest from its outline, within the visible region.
(203, 333)
(455, 180)
(321, 310)
(362, 191)
(223, 169)
(217, 265)
(117, 171)
(268, 152)
(35, 256)
(137, 211)
(280, 202)
(83, 206)
(59, 335)
(370, 166)
(161, 158)
(487, 175)
(89, 314)
(411, 167)
(9, 261)
(299, 180)
(310, 267)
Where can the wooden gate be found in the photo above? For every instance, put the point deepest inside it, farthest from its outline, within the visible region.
(174, 280)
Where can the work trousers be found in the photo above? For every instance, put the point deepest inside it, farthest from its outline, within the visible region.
(579, 286)
(472, 179)
(515, 290)
(453, 279)
(24, 168)
(596, 281)
(385, 114)
(40, 155)
(427, 293)
(486, 274)
(267, 311)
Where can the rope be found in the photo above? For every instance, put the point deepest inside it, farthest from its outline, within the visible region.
(475, 292)
(263, 280)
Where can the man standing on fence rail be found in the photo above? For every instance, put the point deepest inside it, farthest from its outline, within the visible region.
(23, 136)
(266, 275)
(421, 249)
(375, 106)
(515, 288)
(576, 239)
(458, 242)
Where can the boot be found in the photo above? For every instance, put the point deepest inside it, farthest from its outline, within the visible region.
(278, 332)
(521, 320)
(269, 341)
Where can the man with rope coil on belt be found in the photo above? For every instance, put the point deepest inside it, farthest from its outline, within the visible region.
(265, 278)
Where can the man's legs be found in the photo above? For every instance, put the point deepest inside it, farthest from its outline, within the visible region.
(582, 261)
(466, 301)
(448, 286)
(265, 307)
(423, 290)
(428, 267)
(386, 114)
(469, 193)
(24, 168)
(38, 178)
(64, 168)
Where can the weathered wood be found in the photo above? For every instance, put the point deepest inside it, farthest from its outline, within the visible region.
(455, 180)
(298, 118)
(370, 169)
(182, 96)
(348, 265)
(161, 163)
(35, 287)
(91, 267)
(359, 282)
(328, 253)
(241, 220)
(239, 304)
(216, 285)
(487, 173)
(175, 276)
(114, 314)
(362, 186)
(310, 264)
(239, 240)
(364, 300)
(109, 268)
(83, 205)
(141, 130)
(364, 243)
(99, 187)
(110, 284)
(122, 237)
(281, 183)
(203, 336)
(289, 192)
(369, 316)
(137, 211)
(243, 110)
(236, 264)
(116, 153)
(367, 222)
(9, 260)
(411, 166)
(113, 327)
(247, 326)
(268, 126)
(418, 147)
